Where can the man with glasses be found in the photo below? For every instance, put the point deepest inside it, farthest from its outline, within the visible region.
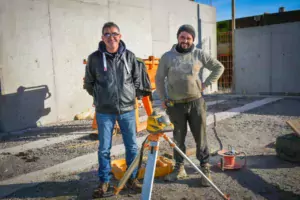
(111, 77)
(183, 101)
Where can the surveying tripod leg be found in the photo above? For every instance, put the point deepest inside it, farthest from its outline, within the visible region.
(150, 171)
(127, 174)
(225, 196)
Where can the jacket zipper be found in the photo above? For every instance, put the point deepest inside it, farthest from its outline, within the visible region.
(117, 83)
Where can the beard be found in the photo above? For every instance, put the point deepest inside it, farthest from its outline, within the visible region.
(184, 45)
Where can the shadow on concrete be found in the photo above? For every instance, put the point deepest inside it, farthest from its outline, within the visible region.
(253, 182)
(80, 186)
(24, 108)
(50, 189)
(259, 186)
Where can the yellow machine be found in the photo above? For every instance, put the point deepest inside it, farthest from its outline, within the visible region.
(159, 123)
(164, 166)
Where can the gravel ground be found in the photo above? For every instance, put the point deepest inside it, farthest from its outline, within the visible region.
(254, 132)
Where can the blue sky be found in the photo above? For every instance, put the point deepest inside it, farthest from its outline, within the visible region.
(246, 8)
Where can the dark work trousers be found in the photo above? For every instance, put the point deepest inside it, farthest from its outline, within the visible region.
(193, 113)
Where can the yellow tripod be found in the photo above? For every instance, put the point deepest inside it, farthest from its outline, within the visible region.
(157, 125)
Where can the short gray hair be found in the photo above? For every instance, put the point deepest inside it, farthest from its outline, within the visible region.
(109, 25)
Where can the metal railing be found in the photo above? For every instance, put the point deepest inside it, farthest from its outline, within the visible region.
(224, 48)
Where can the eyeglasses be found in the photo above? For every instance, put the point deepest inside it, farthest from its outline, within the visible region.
(107, 35)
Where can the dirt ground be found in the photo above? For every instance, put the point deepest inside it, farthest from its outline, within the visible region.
(253, 132)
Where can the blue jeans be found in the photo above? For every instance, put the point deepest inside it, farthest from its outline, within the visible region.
(106, 123)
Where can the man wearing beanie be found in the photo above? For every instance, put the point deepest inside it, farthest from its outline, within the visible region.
(181, 66)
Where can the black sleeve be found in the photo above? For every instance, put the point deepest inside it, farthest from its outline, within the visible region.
(89, 79)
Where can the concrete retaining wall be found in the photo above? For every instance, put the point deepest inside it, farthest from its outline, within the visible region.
(267, 59)
(43, 44)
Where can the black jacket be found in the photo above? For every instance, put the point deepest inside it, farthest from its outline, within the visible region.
(113, 87)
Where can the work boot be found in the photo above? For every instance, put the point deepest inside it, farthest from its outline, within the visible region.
(178, 173)
(206, 171)
(104, 190)
(135, 185)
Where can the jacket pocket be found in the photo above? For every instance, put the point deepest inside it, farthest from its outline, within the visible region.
(97, 96)
(128, 93)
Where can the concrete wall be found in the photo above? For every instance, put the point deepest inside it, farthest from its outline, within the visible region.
(26, 63)
(43, 44)
(267, 59)
(208, 37)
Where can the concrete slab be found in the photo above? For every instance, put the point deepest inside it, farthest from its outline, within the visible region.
(253, 95)
(76, 31)
(132, 3)
(44, 142)
(160, 47)
(100, 2)
(250, 61)
(236, 111)
(166, 18)
(271, 50)
(285, 58)
(135, 28)
(26, 65)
